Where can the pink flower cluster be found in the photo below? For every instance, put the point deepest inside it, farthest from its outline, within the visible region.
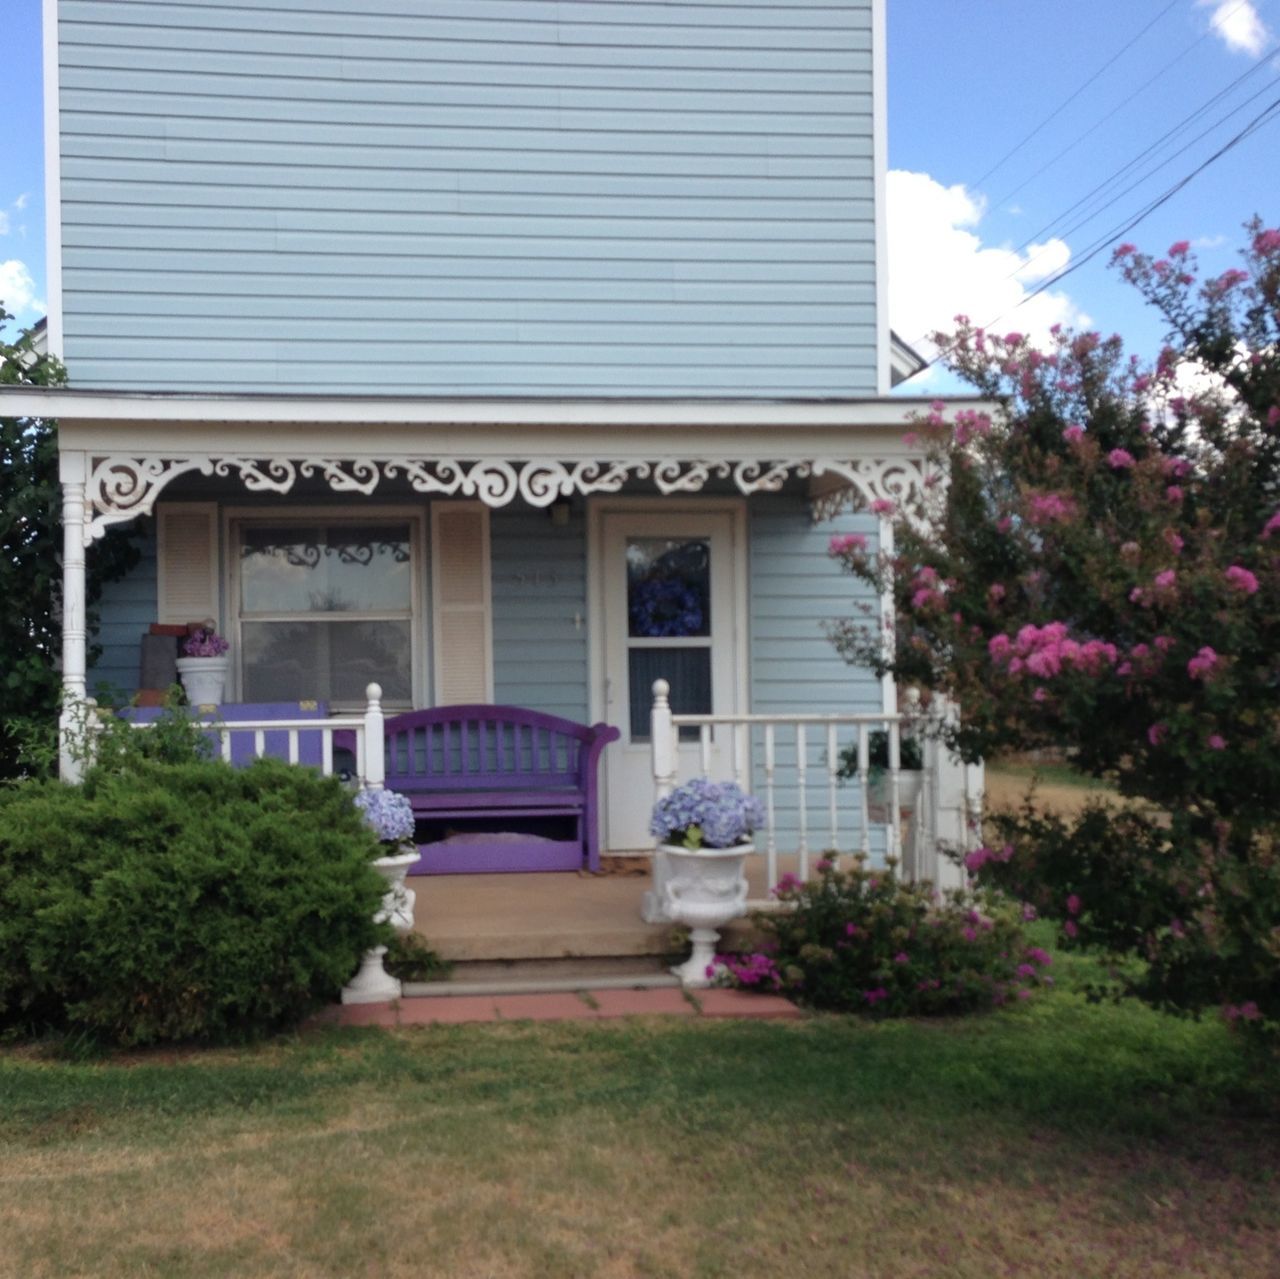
(1248, 1011)
(977, 859)
(1050, 508)
(1202, 665)
(1120, 459)
(1045, 651)
(970, 423)
(927, 589)
(1241, 579)
(1271, 526)
(844, 543)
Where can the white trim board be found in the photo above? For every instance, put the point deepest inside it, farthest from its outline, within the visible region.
(52, 178)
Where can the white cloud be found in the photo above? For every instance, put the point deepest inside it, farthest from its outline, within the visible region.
(18, 291)
(939, 266)
(21, 202)
(1239, 26)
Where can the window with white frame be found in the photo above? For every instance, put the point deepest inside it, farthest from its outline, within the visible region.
(325, 606)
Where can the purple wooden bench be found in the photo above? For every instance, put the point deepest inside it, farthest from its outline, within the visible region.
(498, 788)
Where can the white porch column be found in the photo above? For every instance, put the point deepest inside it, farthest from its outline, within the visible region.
(72, 723)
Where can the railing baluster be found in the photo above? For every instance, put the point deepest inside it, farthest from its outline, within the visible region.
(293, 746)
(802, 798)
(326, 751)
(864, 767)
(833, 769)
(740, 755)
(259, 742)
(224, 743)
(771, 837)
(704, 748)
(895, 766)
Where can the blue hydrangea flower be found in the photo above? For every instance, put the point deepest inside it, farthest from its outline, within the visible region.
(713, 814)
(387, 813)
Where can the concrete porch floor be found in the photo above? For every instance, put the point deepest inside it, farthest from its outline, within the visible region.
(470, 918)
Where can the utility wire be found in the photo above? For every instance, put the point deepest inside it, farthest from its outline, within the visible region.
(1150, 149)
(1263, 118)
(1142, 88)
(1071, 97)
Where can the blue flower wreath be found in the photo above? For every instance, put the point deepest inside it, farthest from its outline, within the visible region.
(665, 606)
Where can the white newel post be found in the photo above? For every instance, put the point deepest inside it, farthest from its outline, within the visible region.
(375, 744)
(662, 744)
(72, 723)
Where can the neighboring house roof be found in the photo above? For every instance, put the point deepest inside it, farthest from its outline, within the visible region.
(40, 336)
(904, 361)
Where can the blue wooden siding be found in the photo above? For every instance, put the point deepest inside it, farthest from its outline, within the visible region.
(495, 196)
(540, 624)
(127, 608)
(795, 588)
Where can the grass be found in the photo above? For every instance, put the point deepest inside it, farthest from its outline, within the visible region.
(1057, 1138)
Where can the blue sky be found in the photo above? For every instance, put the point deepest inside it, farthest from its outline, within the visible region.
(968, 82)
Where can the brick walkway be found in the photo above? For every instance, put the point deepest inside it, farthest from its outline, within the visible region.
(586, 1005)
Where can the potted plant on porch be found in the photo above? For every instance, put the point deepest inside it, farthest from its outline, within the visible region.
(203, 665)
(704, 830)
(910, 772)
(390, 816)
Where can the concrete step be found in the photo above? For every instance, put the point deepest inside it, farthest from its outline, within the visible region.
(525, 976)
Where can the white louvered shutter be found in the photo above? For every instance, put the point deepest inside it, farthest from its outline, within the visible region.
(461, 621)
(187, 561)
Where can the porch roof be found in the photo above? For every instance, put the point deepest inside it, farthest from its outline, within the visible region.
(103, 406)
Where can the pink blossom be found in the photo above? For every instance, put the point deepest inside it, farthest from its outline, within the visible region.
(1267, 241)
(1173, 541)
(1012, 339)
(1163, 643)
(1271, 526)
(1027, 970)
(1120, 459)
(1166, 578)
(1070, 928)
(1273, 415)
(1180, 249)
(1217, 742)
(1004, 524)
(970, 933)
(873, 997)
(1135, 595)
(1125, 250)
(1173, 494)
(1050, 508)
(1028, 913)
(1156, 734)
(843, 543)
(1228, 280)
(902, 957)
(977, 859)
(1073, 434)
(1040, 695)
(1175, 467)
(1040, 956)
(1202, 664)
(1242, 579)
(882, 506)
(996, 592)
(1176, 928)
(1073, 904)
(969, 424)
(852, 930)
(1249, 1009)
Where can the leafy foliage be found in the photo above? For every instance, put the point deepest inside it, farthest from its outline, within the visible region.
(1102, 569)
(861, 940)
(31, 559)
(165, 901)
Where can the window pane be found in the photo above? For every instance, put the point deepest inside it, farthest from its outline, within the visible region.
(339, 568)
(687, 670)
(330, 661)
(668, 588)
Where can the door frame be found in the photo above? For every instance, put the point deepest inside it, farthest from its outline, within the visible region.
(597, 509)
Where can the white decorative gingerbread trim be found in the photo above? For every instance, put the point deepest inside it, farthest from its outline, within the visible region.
(121, 488)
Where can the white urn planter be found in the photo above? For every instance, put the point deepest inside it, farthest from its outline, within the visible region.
(878, 797)
(204, 679)
(373, 984)
(704, 889)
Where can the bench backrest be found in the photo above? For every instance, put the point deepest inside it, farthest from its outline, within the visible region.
(448, 748)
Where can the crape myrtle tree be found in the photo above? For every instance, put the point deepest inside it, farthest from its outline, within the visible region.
(31, 561)
(1101, 570)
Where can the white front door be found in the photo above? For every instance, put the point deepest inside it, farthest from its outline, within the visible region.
(670, 593)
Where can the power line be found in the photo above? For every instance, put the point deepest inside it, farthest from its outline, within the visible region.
(1150, 149)
(1142, 88)
(1071, 97)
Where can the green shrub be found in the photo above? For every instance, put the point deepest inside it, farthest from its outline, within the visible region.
(173, 901)
(862, 940)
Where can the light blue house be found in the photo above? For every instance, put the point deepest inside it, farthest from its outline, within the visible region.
(497, 350)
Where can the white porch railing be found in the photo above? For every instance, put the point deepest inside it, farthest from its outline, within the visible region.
(366, 730)
(847, 812)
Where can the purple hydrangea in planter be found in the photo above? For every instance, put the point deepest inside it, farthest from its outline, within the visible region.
(203, 666)
(388, 814)
(204, 641)
(706, 814)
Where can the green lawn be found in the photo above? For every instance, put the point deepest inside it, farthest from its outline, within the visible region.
(1053, 1139)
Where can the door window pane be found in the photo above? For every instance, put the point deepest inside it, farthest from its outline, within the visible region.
(687, 670)
(668, 588)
